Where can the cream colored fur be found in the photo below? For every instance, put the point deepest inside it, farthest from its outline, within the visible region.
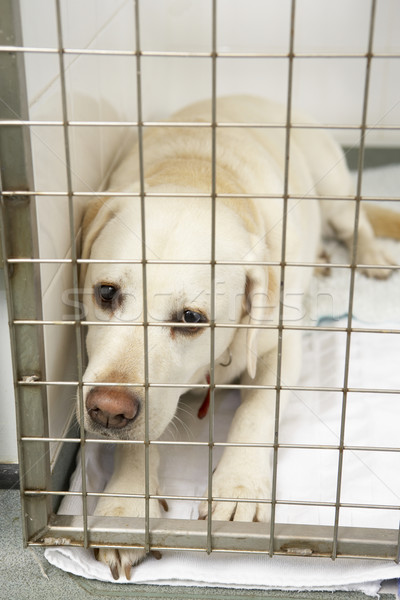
(248, 231)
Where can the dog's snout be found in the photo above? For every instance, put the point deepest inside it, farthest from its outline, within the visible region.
(112, 407)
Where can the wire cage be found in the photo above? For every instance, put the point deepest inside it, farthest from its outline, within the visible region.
(141, 70)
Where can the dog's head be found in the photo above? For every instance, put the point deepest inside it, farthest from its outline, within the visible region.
(163, 309)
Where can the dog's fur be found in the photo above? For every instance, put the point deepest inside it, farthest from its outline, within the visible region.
(248, 233)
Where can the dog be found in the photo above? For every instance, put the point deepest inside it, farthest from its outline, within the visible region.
(249, 297)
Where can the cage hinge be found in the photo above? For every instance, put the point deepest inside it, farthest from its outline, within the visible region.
(30, 378)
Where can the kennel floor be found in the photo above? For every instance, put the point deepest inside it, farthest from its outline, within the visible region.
(26, 575)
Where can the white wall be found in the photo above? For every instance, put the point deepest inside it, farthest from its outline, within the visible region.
(330, 89)
(8, 443)
(104, 87)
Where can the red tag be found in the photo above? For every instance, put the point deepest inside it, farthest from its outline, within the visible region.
(203, 410)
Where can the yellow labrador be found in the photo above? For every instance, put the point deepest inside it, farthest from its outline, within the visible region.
(248, 246)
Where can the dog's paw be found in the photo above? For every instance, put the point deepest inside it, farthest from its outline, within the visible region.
(119, 561)
(375, 255)
(324, 259)
(246, 499)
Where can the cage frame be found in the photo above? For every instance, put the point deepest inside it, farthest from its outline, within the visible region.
(19, 237)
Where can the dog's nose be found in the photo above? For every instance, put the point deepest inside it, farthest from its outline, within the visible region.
(112, 407)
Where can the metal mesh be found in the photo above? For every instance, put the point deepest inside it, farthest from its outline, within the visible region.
(42, 526)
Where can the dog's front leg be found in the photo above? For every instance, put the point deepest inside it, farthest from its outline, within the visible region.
(128, 478)
(243, 474)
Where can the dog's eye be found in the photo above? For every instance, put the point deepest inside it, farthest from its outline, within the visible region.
(190, 318)
(193, 317)
(189, 322)
(106, 294)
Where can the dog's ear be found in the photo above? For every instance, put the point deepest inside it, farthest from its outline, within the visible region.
(261, 296)
(96, 216)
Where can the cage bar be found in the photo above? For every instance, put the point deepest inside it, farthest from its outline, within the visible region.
(352, 276)
(74, 254)
(144, 273)
(282, 274)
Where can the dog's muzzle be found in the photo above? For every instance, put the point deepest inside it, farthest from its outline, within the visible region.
(112, 407)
